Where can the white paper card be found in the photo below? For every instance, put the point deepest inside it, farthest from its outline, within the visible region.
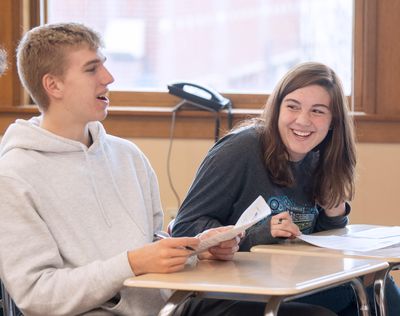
(377, 233)
(349, 243)
(258, 210)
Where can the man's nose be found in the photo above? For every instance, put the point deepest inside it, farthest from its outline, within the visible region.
(107, 77)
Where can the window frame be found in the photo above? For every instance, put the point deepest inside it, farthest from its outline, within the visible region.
(148, 113)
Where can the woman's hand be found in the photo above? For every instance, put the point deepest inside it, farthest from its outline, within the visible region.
(283, 226)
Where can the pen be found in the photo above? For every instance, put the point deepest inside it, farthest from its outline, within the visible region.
(163, 235)
(160, 235)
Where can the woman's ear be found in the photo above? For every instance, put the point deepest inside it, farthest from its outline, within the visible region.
(53, 86)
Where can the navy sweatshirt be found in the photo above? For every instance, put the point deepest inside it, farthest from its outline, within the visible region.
(232, 176)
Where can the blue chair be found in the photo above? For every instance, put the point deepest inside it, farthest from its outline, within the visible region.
(8, 307)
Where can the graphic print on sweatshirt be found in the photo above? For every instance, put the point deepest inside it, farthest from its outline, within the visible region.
(304, 216)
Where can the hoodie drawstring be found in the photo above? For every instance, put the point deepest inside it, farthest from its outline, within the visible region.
(96, 193)
(115, 186)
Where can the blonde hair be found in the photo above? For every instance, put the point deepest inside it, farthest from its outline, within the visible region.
(43, 50)
(3, 61)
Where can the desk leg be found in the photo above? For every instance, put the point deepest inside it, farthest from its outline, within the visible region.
(361, 295)
(271, 309)
(379, 292)
(177, 298)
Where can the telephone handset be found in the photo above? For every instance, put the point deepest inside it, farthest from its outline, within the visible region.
(200, 95)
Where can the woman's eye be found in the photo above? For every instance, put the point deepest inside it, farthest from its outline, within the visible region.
(93, 69)
(292, 106)
(317, 111)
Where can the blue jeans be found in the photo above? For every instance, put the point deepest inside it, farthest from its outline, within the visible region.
(342, 299)
(336, 299)
(392, 293)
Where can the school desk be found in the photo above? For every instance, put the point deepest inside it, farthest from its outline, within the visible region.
(263, 277)
(299, 247)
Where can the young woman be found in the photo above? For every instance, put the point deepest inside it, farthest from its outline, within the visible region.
(299, 155)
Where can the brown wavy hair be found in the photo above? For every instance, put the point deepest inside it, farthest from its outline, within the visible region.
(334, 174)
(43, 50)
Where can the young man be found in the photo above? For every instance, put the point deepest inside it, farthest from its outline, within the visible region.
(78, 207)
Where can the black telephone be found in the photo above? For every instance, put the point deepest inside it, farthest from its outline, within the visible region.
(200, 95)
(201, 98)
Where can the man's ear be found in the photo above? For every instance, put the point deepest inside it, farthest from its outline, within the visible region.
(53, 86)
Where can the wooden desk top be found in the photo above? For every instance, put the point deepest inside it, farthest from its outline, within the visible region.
(389, 254)
(261, 274)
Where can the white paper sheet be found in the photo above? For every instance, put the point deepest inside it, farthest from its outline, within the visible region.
(349, 243)
(377, 233)
(258, 210)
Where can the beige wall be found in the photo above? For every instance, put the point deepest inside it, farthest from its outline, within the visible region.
(378, 174)
(186, 156)
(377, 187)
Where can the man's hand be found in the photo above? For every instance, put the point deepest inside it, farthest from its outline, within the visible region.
(225, 250)
(283, 226)
(164, 256)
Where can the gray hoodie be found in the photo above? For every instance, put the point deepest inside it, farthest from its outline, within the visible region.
(68, 216)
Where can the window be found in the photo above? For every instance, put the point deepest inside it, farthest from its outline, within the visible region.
(231, 45)
(374, 93)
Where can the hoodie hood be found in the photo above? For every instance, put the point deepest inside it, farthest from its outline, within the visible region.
(101, 162)
(28, 135)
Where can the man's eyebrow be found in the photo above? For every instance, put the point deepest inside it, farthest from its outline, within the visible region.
(94, 62)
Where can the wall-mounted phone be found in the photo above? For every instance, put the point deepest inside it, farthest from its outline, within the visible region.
(201, 98)
(199, 95)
